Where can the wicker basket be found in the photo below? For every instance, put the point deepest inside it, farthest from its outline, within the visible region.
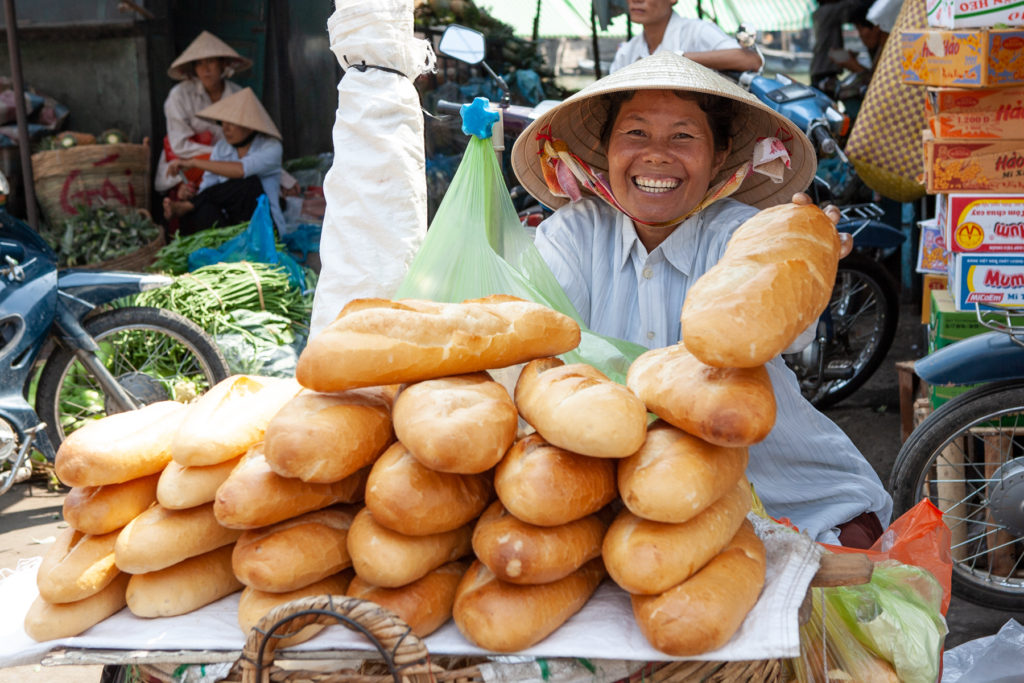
(137, 260)
(83, 175)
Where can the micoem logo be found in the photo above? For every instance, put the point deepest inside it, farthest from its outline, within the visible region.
(984, 298)
(959, 152)
(966, 101)
(969, 236)
(1013, 43)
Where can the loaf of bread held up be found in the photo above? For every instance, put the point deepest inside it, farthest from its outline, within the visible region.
(676, 476)
(389, 559)
(576, 407)
(48, 621)
(120, 447)
(724, 406)
(294, 553)
(183, 487)
(378, 341)
(324, 438)
(548, 486)
(253, 496)
(505, 617)
(77, 566)
(254, 604)
(523, 553)
(411, 499)
(462, 424)
(646, 557)
(160, 537)
(425, 604)
(183, 587)
(99, 510)
(774, 280)
(702, 613)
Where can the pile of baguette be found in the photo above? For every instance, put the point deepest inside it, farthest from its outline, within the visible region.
(395, 469)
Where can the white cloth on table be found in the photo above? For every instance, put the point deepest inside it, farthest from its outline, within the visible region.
(681, 35)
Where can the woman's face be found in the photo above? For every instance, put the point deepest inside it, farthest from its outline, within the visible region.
(234, 133)
(209, 71)
(661, 156)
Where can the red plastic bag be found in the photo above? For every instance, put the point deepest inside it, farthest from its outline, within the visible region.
(919, 537)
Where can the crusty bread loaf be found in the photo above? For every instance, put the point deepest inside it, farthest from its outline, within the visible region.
(411, 499)
(549, 486)
(324, 438)
(702, 613)
(425, 604)
(505, 617)
(77, 566)
(254, 496)
(183, 487)
(518, 552)
(774, 280)
(160, 537)
(389, 559)
(576, 407)
(120, 447)
(254, 604)
(183, 587)
(98, 510)
(724, 406)
(462, 424)
(646, 557)
(675, 476)
(294, 553)
(228, 419)
(48, 621)
(378, 341)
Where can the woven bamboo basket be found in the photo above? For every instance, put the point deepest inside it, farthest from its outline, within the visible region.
(402, 657)
(85, 174)
(137, 260)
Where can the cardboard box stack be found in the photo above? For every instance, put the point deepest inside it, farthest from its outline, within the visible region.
(971, 60)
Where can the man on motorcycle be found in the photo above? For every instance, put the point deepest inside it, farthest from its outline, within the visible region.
(701, 41)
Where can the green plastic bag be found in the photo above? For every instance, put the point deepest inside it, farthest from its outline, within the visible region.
(477, 247)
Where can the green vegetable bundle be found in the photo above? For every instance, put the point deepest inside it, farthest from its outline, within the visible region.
(100, 233)
(173, 257)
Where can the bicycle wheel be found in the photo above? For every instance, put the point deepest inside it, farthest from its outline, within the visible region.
(155, 354)
(864, 312)
(967, 458)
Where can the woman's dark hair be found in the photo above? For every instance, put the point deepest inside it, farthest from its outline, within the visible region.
(719, 110)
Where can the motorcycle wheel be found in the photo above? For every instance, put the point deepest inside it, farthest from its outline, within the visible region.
(864, 311)
(156, 355)
(967, 458)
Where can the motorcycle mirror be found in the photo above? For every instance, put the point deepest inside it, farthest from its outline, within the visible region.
(5, 186)
(462, 43)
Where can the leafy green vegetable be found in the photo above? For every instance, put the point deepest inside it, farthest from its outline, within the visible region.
(100, 233)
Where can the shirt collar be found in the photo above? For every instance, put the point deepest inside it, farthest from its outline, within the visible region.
(678, 248)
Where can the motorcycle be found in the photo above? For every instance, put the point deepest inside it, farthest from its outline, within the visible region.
(70, 353)
(967, 458)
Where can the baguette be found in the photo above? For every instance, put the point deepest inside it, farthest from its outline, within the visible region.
(522, 553)
(254, 604)
(723, 406)
(98, 510)
(647, 558)
(294, 553)
(462, 424)
(425, 604)
(323, 438)
(407, 497)
(77, 566)
(545, 485)
(702, 613)
(48, 621)
(676, 476)
(183, 487)
(504, 617)
(183, 587)
(389, 559)
(576, 407)
(159, 538)
(254, 496)
(774, 280)
(377, 341)
(120, 447)
(230, 418)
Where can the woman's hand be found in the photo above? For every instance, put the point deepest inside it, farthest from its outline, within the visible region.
(832, 211)
(175, 167)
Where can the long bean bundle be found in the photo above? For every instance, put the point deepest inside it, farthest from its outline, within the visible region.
(173, 257)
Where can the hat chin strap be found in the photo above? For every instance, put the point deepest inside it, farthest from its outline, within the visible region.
(566, 175)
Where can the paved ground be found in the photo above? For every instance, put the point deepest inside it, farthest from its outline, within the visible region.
(30, 515)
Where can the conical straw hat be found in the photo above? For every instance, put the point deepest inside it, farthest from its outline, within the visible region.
(579, 121)
(242, 109)
(207, 45)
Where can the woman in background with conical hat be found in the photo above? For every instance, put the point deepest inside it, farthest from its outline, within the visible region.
(244, 164)
(203, 69)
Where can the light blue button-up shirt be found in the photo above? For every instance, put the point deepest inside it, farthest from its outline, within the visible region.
(263, 159)
(806, 469)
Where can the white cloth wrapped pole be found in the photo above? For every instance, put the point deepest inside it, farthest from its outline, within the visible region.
(376, 189)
